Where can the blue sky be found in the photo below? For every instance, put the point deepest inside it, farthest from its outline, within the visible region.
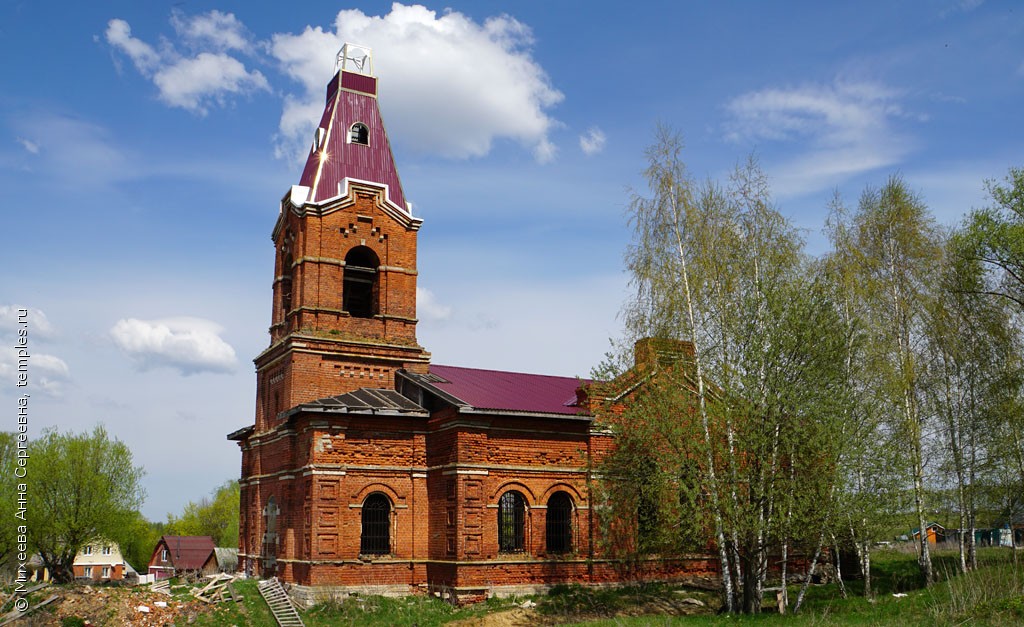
(144, 148)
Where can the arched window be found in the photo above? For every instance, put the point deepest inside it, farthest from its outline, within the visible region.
(376, 536)
(359, 288)
(559, 523)
(359, 134)
(286, 287)
(511, 522)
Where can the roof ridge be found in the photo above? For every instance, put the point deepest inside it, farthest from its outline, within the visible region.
(529, 374)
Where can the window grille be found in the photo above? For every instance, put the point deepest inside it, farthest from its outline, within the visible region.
(511, 522)
(559, 523)
(376, 538)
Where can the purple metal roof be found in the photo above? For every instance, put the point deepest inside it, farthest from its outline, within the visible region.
(509, 391)
(372, 162)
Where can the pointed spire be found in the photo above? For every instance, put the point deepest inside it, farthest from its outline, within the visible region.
(350, 143)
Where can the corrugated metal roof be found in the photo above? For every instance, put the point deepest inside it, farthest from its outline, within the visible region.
(507, 391)
(372, 162)
(188, 552)
(368, 400)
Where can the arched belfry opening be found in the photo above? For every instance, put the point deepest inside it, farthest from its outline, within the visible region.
(360, 287)
(359, 134)
(286, 286)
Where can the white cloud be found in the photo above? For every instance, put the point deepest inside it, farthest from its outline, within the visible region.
(843, 129)
(449, 85)
(119, 35)
(193, 83)
(213, 30)
(30, 146)
(189, 345)
(36, 322)
(428, 308)
(46, 373)
(960, 6)
(592, 142)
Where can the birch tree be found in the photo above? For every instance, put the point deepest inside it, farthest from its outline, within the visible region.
(994, 236)
(868, 464)
(893, 248)
(719, 267)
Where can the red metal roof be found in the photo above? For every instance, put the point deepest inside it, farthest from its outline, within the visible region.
(187, 552)
(509, 391)
(354, 102)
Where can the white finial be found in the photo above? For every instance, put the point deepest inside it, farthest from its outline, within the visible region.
(354, 58)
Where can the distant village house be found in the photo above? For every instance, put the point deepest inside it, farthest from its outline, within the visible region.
(100, 561)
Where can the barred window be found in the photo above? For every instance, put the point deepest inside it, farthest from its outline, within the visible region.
(511, 522)
(559, 523)
(376, 537)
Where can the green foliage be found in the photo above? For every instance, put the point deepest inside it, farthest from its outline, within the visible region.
(8, 494)
(137, 539)
(217, 516)
(735, 444)
(85, 488)
(994, 236)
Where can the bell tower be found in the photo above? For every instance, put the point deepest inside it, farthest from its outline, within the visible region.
(344, 289)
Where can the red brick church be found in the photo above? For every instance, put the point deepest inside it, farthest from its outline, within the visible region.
(371, 468)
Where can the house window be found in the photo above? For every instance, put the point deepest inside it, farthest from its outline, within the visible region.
(376, 519)
(87, 572)
(106, 549)
(359, 134)
(511, 522)
(559, 523)
(106, 572)
(87, 550)
(165, 555)
(359, 286)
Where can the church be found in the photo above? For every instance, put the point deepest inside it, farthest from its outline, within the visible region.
(371, 469)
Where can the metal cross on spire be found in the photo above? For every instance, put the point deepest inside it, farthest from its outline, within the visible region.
(354, 58)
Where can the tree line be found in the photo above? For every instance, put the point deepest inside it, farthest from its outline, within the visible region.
(85, 488)
(829, 399)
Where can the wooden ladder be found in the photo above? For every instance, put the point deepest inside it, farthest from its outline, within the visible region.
(280, 605)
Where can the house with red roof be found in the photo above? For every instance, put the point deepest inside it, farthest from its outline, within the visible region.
(176, 556)
(368, 467)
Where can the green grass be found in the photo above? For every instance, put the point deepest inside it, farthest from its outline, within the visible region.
(252, 610)
(992, 595)
(423, 611)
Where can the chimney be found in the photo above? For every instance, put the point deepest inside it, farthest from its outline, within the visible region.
(653, 351)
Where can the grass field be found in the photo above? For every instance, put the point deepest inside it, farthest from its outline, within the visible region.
(992, 595)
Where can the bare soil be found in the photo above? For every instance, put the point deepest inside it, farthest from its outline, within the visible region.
(103, 605)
